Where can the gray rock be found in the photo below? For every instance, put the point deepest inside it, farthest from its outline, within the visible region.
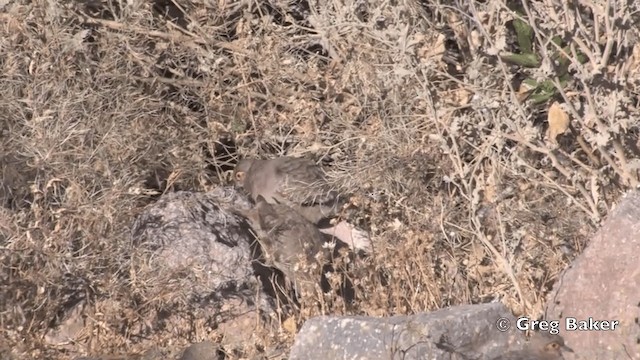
(192, 232)
(195, 246)
(468, 332)
(158, 353)
(602, 284)
(205, 350)
(192, 257)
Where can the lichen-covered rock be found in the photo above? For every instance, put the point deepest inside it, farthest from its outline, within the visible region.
(465, 331)
(195, 238)
(193, 263)
(193, 247)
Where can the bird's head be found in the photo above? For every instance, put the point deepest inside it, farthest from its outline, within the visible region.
(240, 172)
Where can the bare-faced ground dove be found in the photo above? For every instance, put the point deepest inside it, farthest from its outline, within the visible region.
(541, 346)
(302, 185)
(297, 182)
(290, 243)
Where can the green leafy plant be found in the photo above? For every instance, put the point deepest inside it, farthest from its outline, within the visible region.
(541, 91)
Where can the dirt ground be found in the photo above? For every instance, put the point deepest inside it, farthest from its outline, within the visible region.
(474, 186)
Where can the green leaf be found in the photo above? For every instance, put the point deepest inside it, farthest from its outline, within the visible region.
(541, 91)
(524, 32)
(530, 82)
(541, 97)
(547, 86)
(529, 60)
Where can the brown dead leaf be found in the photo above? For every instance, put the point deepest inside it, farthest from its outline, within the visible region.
(289, 325)
(490, 190)
(558, 121)
(524, 91)
(633, 62)
(458, 97)
(430, 50)
(462, 97)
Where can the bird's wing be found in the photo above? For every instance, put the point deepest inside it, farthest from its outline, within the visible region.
(304, 183)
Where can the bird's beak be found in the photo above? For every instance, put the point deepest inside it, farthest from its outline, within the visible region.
(566, 348)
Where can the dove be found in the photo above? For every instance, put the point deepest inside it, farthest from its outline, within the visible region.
(541, 346)
(302, 185)
(297, 182)
(290, 243)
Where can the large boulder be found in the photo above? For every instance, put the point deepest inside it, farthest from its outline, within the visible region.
(466, 332)
(603, 284)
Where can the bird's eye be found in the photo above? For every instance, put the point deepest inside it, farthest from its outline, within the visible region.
(554, 346)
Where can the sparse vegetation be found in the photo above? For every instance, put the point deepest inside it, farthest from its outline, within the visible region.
(470, 190)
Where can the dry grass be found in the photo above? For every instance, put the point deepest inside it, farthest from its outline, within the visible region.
(107, 104)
